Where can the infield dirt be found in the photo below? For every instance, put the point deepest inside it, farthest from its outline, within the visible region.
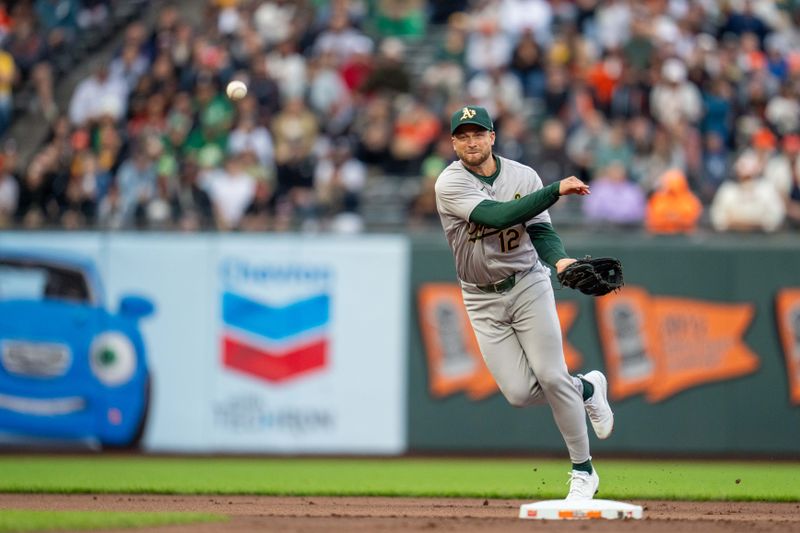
(326, 514)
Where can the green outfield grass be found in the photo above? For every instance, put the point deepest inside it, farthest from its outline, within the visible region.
(25, 520)
(474, 478)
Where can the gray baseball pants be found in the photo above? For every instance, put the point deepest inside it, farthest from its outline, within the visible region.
(520, 339)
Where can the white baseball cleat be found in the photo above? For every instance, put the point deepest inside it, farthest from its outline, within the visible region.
(583, 485)
(597, 406)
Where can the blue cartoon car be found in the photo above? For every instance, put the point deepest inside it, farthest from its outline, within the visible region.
(70, 370)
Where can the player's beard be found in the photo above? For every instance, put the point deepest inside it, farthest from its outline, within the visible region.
(475, 159)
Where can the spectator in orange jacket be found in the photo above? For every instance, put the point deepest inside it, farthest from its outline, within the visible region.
(672, 208)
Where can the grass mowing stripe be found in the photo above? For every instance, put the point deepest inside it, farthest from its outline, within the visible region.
(28, 520)
(478, 478)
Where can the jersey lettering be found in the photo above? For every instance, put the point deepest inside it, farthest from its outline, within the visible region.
(509, 239)
(478, 232)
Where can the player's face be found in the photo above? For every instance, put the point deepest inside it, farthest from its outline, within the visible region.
(473, 144)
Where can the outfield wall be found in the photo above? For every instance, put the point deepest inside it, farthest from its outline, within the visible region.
(360, 345)
(267, 344)
(702, 350)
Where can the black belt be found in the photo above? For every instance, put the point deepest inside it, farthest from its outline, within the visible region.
(501, 286)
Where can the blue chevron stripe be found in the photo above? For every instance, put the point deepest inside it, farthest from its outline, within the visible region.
(275, 323)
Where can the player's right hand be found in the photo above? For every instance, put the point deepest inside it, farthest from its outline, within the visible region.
(572, 185)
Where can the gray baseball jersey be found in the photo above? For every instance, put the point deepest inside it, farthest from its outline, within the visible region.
(486, 255)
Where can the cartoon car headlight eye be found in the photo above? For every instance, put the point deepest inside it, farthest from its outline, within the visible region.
(112, 358)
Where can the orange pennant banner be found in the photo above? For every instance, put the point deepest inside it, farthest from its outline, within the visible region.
(454, 358)
(788, 316)
(699, 342)
(622, 320)
(661, 346)
(567, 313)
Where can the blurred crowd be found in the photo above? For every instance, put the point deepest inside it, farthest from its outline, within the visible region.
(680, 114)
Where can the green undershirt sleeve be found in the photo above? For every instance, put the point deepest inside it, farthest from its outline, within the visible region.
(502, 215)
(547, 243)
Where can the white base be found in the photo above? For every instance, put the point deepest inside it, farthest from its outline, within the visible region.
(579, 510)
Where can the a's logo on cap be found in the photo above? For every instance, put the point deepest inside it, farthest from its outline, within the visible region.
(468, 113)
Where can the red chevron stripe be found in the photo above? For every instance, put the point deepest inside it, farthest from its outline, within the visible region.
(269, 366)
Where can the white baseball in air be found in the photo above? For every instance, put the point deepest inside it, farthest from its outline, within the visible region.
(236, 90)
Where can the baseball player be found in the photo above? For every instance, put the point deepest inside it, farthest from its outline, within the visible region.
(487, 205)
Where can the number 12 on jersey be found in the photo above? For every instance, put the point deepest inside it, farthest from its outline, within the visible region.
(509, 239)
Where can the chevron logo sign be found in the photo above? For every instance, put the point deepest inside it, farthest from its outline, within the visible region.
(275, 343)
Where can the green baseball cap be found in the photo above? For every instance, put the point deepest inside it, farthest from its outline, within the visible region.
(471, 114)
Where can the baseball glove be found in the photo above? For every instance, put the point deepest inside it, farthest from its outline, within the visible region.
(594, 277)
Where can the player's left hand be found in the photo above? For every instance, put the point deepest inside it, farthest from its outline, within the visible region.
(594, 277)
(561, 264)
